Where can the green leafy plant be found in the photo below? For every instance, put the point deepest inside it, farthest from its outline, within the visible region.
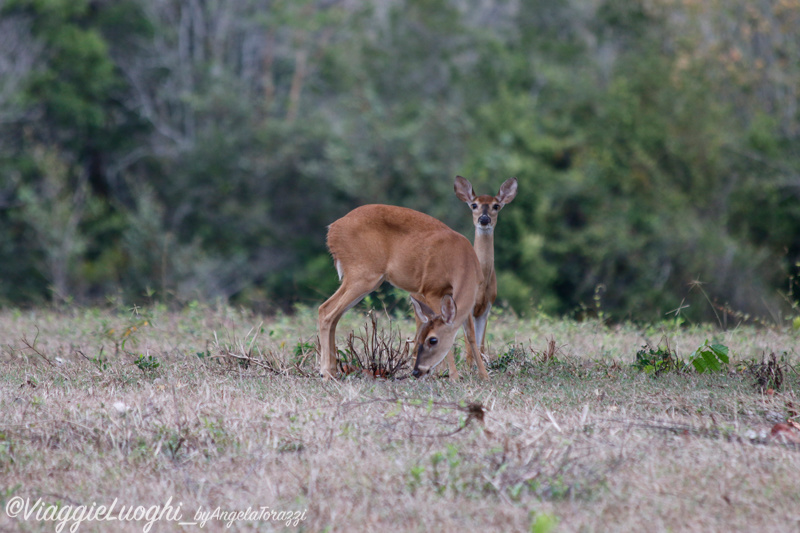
(101, 362)
(302, 350)
(656, 360)
(147, 364)
(514, 354)
(415, 478)
(543, 523)
(709, 357)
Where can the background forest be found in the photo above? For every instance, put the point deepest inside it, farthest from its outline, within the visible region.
(196, 149)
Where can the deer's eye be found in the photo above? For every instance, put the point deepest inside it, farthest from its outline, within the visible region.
(433, 341)
(474, 206)
(496, 207)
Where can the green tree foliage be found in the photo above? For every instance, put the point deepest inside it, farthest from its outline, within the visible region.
(198, 149)
(635, 170)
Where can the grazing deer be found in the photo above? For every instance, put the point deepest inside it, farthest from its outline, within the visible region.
(412, 251)
(484, 215)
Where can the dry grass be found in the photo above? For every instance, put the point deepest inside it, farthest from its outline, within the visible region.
(234, 417)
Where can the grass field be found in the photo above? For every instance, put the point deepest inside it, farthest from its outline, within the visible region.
(212, 408)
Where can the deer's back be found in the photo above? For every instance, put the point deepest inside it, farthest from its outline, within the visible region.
(412, 250)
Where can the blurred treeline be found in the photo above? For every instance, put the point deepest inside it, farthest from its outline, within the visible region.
(195, 149)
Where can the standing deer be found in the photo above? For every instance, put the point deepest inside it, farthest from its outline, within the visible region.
(412, 251)
(484, 215)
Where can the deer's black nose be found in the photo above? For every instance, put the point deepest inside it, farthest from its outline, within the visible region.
(484, 220)
(416, 373)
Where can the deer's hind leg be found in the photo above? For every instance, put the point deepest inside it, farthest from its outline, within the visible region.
(349, 293)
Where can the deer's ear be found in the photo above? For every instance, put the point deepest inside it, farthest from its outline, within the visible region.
(448, 310)
(424, 313)
(464, 190)
(508, 190)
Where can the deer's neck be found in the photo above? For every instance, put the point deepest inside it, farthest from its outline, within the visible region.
(484, 249)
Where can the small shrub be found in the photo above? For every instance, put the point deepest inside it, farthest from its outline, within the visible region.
(656, 360)
(376, 354)
(514, 354)
(147, 364)
(706, 358)
(769, 372)
(302, 350)
(101, 362)
(125, 336)
(550, 354)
